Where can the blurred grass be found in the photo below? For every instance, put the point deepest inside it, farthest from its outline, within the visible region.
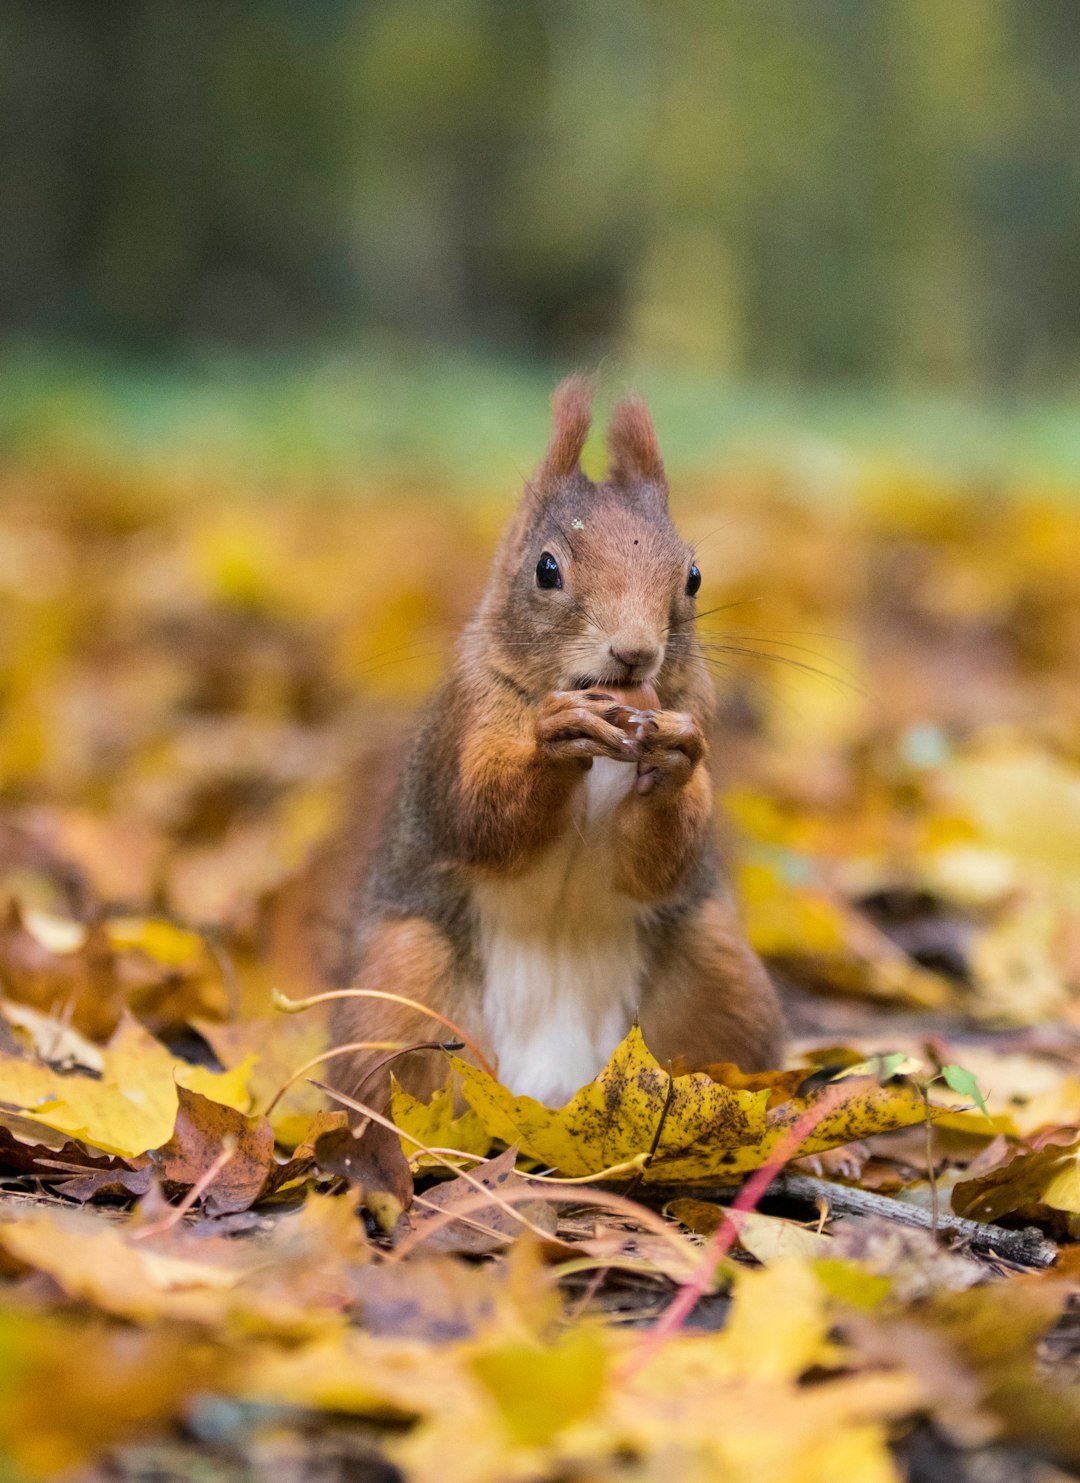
(396, 410)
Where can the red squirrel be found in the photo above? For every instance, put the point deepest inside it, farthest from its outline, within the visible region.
(548, 870)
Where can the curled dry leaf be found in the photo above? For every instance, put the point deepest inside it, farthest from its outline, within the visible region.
(766, 1237)
(1041, 1186)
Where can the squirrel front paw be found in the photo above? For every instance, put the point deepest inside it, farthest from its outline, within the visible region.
(584, 724)
(668, 745)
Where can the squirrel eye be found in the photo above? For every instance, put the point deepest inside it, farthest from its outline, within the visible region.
(547, 571)
(693, 581)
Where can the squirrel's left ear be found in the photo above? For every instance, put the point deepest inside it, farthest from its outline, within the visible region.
(632, 443)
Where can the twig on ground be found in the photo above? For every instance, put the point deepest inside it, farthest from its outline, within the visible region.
(1028, 1247)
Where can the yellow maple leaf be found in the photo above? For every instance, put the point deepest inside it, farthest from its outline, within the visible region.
(540, 1388)
(435, 1123)
(615, 1118)
(132, 1107)
(731, 1405)
(707, 1131)
(778, 1326)
(96, 1262)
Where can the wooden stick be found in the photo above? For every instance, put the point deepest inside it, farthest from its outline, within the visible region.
(1028, 1247)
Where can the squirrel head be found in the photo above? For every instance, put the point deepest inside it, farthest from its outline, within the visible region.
(593, 586)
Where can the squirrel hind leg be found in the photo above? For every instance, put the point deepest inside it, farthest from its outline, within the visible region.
(410, 957)
(710, 999)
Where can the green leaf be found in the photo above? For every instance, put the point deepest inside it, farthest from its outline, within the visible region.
(964, 1082)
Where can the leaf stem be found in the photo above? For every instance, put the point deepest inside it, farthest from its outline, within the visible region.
(931, 1163)
(327, 1055)
(297, 1006)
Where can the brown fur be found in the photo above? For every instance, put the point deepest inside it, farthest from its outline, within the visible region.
(633, 445)
(571, 419)
(413, 958)
(689, 1009)
(498, 762)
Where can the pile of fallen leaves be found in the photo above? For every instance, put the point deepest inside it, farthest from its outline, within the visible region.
(853, 1266)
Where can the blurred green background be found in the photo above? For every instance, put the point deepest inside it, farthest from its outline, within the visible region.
(248, 224)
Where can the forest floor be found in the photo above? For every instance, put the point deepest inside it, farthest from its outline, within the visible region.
(200, 1279)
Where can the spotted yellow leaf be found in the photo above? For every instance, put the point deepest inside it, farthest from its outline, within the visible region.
(706, 1131)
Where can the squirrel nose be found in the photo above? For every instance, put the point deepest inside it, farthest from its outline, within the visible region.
(634, 656)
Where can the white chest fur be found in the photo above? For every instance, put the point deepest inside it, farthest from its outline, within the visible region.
(562, 961)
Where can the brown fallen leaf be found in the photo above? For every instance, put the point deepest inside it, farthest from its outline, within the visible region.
(372, 1160)
(1041, 1186)
(132, 1178)
(203, 1128)
(478, 1230)
(74, 1170)
(302, 1163)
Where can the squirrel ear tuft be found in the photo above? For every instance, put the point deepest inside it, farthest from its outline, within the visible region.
(570, 402)
(635, 452)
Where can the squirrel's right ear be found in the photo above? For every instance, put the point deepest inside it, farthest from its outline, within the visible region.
(632, 443)
(570, 404)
